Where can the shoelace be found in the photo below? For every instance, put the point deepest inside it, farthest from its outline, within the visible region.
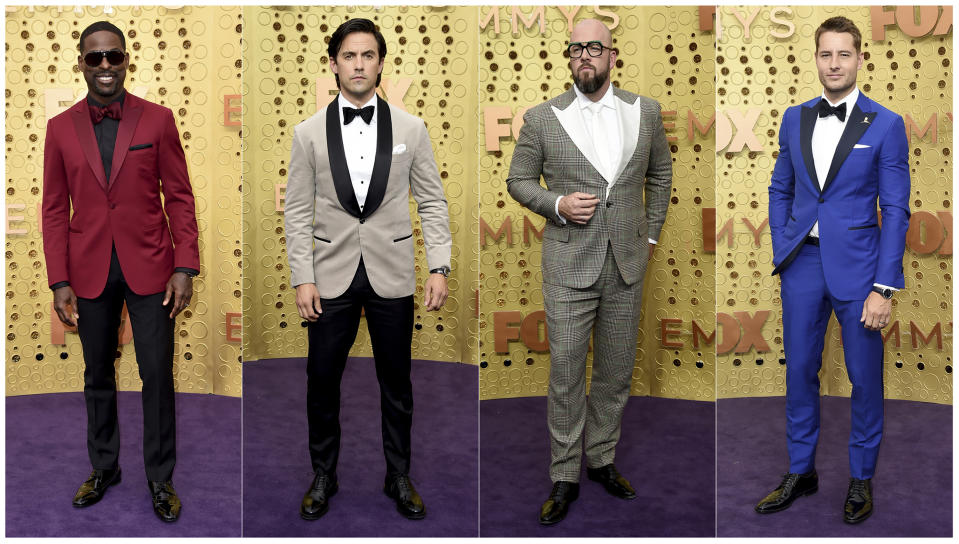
(559, 490)
(163, 494)
(402, 484)
(789, 482)
(321, 483)
(857, 489)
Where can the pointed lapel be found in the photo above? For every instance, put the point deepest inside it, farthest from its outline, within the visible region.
(807, 122)
(857, 124)
(88, 141)
(132, 109)
(338, 167)
(384, 155)
(572, 122)
(630, 116)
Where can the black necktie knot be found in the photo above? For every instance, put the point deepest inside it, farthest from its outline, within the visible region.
(825, 110)
(351, 113)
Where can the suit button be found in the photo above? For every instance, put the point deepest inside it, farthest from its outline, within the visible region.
(113, 206)
(609, 204)
(362, 220)
(821, 201)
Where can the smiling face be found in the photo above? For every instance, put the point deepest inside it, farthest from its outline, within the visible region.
(837, 62)
(357, 64)
(104, 81)
(591, 74)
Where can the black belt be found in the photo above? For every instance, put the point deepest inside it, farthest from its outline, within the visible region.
(814, 240)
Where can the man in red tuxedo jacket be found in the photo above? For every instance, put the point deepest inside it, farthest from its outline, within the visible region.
(110, 157)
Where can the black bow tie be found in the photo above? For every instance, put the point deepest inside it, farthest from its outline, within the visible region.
(825, 110)
(350, 113)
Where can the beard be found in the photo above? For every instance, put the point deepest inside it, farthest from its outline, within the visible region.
(589, 85)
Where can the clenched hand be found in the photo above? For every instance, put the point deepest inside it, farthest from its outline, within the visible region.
(578, 207)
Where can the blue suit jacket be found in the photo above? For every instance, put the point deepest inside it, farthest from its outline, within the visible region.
(870, 164)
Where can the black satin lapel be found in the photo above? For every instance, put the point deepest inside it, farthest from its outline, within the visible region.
(807, 122)
(338, 167)
(855, 128)
(88, 142)
(384, 155)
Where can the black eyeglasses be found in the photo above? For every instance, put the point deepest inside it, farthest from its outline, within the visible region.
(94, 58)
(594, 49)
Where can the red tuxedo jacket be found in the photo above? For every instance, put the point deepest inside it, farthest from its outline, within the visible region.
(126, 210)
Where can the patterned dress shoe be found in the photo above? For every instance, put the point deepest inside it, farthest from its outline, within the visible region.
(792, 487)
(557, 505)
(166, 504)
(858, 501)
(316, 501)
(408, 502)
(612, 481)
(92, 490)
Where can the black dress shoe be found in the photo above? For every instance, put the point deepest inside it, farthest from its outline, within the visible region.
(408, 502)
(166, 504)
(612, 480)
(858, 501)
(792, 487)
(92, 490)
(557, 505)
(317, 499)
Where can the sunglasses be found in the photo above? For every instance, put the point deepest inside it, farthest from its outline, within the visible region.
(94, 58)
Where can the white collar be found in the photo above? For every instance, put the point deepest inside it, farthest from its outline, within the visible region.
(585, 103)
(849, 99)
(342, 102)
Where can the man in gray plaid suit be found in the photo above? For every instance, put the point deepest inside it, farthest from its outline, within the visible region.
(603, 154)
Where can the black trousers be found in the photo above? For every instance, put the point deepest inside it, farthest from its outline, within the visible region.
(98, 328)
(390, 322)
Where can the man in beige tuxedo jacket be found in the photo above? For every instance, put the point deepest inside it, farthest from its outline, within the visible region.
(350, 245)
(603, 154)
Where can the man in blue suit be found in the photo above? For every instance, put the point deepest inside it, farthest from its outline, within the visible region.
(838, 155)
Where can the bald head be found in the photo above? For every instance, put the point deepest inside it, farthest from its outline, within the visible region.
(589, 30)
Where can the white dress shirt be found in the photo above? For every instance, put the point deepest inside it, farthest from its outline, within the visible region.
(825, 139)
(613, 141)
(359, 144)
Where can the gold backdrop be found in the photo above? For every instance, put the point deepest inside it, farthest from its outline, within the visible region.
(430, 71)
(664, 53)
(766, 64)
(187, 59)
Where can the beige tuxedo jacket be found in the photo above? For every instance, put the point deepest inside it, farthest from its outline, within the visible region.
(327, 234)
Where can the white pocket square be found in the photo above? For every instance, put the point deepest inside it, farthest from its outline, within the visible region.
(399, 149)
(861, 146)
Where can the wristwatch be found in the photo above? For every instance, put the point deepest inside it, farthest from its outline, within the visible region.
(445, 270)
(884, 291)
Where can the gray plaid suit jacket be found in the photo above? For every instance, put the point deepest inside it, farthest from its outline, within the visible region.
(554, 145)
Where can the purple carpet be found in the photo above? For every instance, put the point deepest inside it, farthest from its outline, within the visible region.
(277, 464)
(912, 489)
(667, 451)
(47, 461)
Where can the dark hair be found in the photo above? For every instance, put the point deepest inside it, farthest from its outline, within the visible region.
(840, 24)
(99, 26)
(348, 27)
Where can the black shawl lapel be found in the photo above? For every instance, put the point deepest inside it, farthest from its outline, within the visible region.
(384, 155)
(807, 122)
(338, 167)
(856, 126)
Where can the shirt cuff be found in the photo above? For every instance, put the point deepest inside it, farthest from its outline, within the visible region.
(881, 286)
(651, 241)
(59, 284)
(192, 272)
(562, 220)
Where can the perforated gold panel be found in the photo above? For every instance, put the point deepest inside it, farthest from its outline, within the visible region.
(187, 59)
(766, 64)
(666, 54)
(430, 71)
